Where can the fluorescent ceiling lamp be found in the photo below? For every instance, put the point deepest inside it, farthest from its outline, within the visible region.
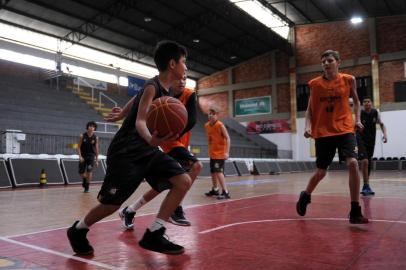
(264, 15)
(356, 20)
(12, 33)
(27, 59)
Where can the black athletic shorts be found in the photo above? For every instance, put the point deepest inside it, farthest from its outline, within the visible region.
(88, 164)
(217, 165)
(326, 149)
(365, 148)
(185, 159)
(125, 173)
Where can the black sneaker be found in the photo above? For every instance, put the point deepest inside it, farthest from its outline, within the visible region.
(356, 216)
(224, 195)
(156, 241)
(127, 218)
(304, 200)
(212, 192)
(178, 217)
(78, 241)
(86, 187)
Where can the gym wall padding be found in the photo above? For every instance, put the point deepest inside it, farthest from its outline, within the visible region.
(5, 181)
(242, 168)
(262, 167)
(27, 171)
(229, 169)
(71, 170)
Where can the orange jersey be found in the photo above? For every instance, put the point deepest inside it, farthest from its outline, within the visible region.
(330, 110)
(217, 142)
(185, 139)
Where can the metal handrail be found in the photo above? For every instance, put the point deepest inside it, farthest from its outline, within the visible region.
(104, 129)
(86, 83)
(106, 96)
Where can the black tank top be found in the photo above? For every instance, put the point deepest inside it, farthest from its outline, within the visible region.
(127, 141)
(369, 120)
(88, 146)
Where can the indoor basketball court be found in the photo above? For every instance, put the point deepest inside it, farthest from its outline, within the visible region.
(257, 229)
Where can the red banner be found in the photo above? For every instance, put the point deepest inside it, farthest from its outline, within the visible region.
(270, 126)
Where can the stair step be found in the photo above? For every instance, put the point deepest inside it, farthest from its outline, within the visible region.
(103, 110)
(87, 98)
(95, 104)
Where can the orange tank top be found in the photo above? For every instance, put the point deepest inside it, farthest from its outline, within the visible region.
(217, 142)
(331, 112)
(185, 139)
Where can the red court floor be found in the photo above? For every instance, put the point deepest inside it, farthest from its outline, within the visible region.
(261, 232)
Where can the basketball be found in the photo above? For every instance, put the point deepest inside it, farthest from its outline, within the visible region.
(166, 115)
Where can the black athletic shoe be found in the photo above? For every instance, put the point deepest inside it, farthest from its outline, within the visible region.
(178, 217)
(86, 187)
(224, 195)
(78, 241)
(304, 200)
(156, 241)
(127, 218)
(356, 216)
(212, 192)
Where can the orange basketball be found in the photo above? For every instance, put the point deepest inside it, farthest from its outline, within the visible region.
(166, 114)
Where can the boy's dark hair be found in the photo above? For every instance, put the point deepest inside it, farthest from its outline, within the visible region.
(367, 97)
(167, 50)
(91, 123)
(334, 54)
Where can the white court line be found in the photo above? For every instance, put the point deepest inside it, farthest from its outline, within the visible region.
(205, 204)
(291, 219)
(153, 213)
(60, 254)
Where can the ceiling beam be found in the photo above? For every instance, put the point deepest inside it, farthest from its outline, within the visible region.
(328, 18)
(214, 63)
(388, 7)
(295, 7)
(277, 12)
(140, 50)
(194, 24)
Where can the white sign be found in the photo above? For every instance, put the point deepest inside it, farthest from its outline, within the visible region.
(90, 83)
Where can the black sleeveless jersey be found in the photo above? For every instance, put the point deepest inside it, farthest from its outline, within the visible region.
(369, 120)
(127, 141)
(88, 146)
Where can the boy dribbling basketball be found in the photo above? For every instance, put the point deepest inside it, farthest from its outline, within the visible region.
(133, 155)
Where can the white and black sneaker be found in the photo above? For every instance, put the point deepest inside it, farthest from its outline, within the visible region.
(127, 218)
(178, 217)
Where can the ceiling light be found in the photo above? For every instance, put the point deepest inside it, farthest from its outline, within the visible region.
(196, 40)
(356, 20)
(233, 57)
(147, 19)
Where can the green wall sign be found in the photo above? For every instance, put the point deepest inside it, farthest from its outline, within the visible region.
(250, 106)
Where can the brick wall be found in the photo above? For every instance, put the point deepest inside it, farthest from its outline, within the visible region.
(217, 79)
(282, 64)
(391, 34)
(283, 98)
(256, 69)
(352, 41)
(254, 92)
(220, 100)
(389, 72)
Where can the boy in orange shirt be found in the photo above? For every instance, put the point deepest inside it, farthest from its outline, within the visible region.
(219, 149)
(329, 121)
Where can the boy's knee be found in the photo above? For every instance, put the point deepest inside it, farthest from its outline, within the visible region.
(352, 163)
(181, 182)
(197, 167)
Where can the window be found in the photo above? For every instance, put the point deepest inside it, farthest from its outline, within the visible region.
(302, 97)
(400, 91)
(364, 87)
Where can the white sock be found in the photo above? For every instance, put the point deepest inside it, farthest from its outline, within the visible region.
(157, 224)
(81, 224)
(215, 188)
(137, 205)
